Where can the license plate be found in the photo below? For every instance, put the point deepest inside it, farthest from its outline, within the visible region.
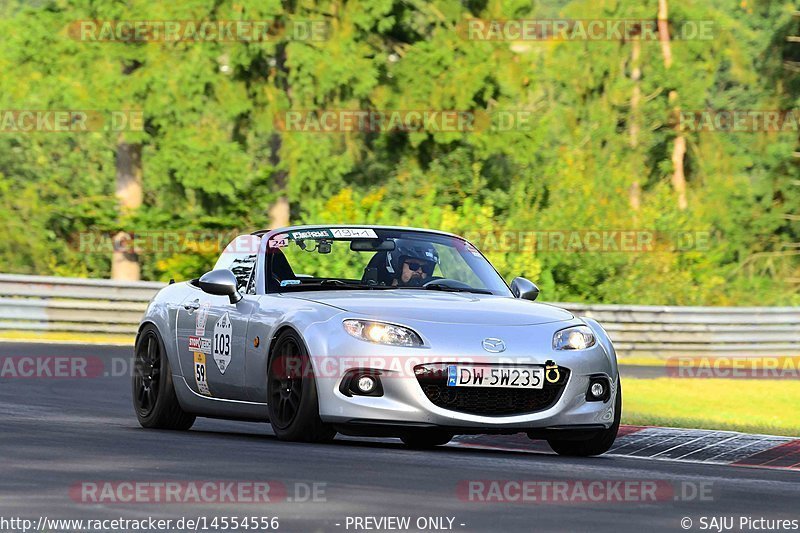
(514, 377)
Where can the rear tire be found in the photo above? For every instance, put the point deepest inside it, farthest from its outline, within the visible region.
(426, 439)
(292, 393)
(154, 398)
(597, 445)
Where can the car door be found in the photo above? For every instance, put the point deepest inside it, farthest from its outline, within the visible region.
(212, 331)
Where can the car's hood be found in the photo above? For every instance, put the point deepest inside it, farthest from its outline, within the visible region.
(434, 306)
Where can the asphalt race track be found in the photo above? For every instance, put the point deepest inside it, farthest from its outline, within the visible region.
(59, 434)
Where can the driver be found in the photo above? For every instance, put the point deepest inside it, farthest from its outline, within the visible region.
(411, 263)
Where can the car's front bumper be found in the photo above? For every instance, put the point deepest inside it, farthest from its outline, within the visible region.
(403, 401)
(404, 404)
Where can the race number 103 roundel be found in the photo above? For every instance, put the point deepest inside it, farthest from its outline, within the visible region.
(222, 343)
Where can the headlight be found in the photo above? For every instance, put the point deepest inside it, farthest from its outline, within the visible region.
(382, 333)
(574, 338)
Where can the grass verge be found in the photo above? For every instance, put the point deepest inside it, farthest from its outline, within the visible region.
(769, 406)
(65, 337)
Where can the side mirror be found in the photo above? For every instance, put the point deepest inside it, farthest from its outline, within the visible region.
(220, 282)
(525, 289)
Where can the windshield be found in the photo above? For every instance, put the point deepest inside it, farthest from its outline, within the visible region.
(377, 259)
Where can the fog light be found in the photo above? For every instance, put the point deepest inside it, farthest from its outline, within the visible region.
(366, 384)
(361, 382)
(599, 389)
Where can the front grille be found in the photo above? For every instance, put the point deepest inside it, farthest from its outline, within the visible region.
(487, 401)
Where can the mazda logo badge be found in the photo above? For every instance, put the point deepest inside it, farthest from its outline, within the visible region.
(494, 345)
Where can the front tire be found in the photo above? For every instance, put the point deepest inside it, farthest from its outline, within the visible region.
(597, 445)
(292, 393)
(154, 398)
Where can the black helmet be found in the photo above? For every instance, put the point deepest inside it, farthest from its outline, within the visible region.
(408, 249)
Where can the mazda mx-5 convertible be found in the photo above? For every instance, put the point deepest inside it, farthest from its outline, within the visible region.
(373, 331)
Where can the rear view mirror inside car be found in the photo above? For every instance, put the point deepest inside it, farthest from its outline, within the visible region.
(372, 245)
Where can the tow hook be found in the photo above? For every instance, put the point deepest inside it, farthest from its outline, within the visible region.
(551, 373)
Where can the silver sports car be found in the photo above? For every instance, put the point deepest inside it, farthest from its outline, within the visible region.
(379, 331)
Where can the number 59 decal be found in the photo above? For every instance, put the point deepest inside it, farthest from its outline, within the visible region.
(200, 373)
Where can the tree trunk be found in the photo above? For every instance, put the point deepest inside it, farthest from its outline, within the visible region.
(280, 210)
(124, 261)
(678, 177)
(679, 146)
(663, 32)
(279, 213)
(635, 191)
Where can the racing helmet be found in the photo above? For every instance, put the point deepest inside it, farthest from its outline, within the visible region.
(410, 249)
